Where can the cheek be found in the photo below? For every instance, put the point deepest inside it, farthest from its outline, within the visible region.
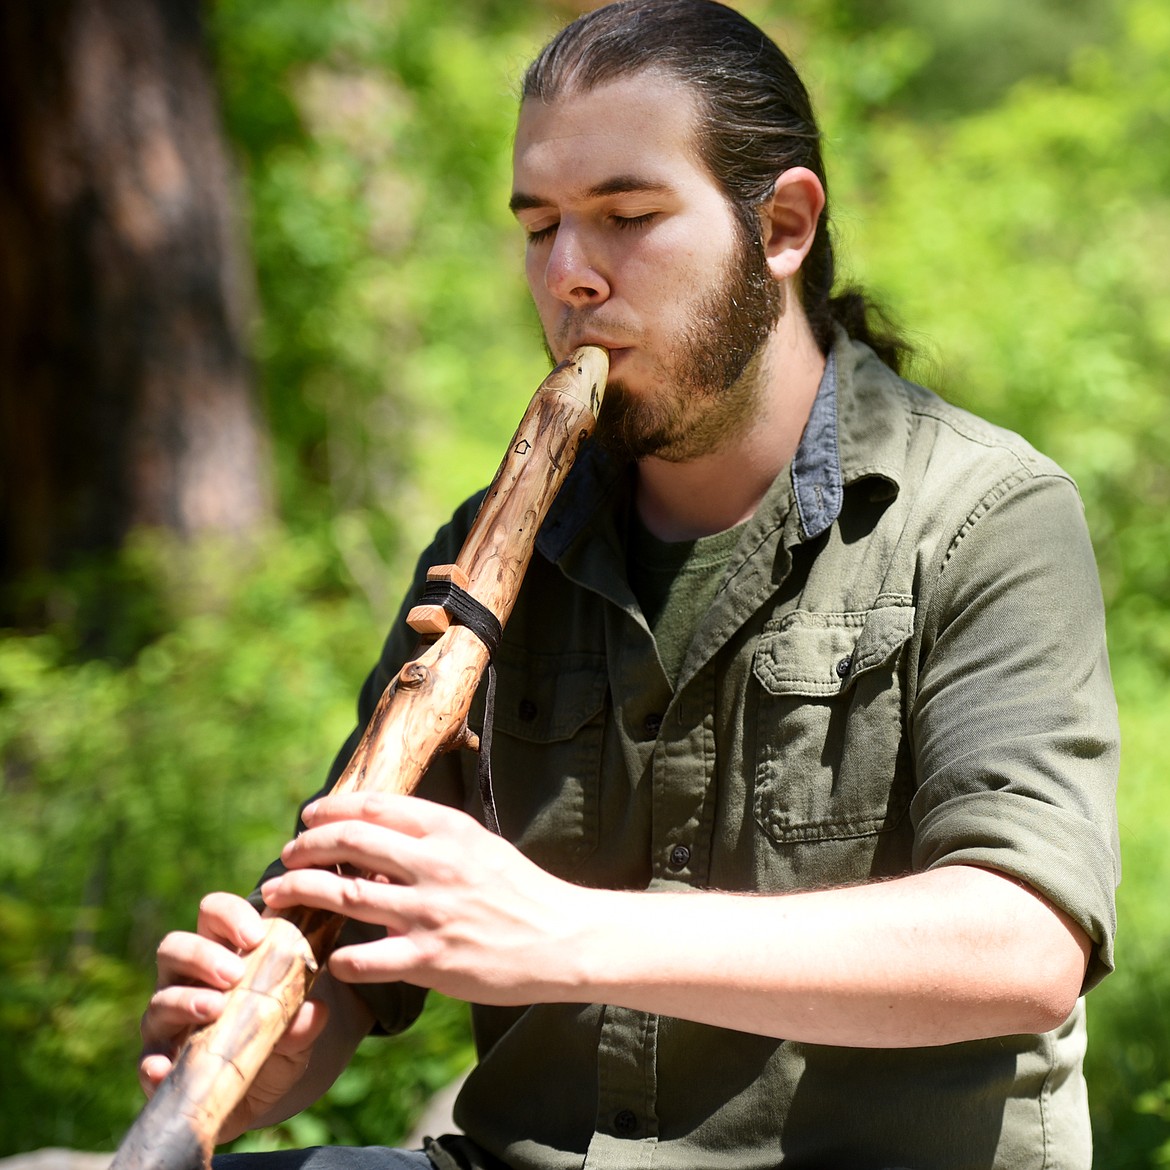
(534, 272)
(672, 264)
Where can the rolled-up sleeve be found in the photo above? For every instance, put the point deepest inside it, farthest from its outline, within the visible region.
(1014, 726)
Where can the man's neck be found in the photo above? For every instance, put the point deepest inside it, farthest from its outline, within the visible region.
(714, 492)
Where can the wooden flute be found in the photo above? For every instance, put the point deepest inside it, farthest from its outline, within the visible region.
(422, 713)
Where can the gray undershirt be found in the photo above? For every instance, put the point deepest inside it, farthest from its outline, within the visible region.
(675, 582)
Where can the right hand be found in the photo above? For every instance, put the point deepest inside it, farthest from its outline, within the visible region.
(194, 972)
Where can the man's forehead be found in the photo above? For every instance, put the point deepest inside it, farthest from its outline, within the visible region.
(626, 135)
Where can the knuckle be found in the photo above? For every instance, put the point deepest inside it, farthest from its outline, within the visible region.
(172, 950)
(446, 870)
(350, 835)
(374, 806)
(353, 892)
(430, 952)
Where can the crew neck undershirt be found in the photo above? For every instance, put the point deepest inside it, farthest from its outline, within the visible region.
(675, 582)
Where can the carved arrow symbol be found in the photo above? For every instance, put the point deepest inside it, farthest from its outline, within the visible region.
(523, 447)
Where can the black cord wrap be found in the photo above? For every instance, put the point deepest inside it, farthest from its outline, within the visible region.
(464, 610)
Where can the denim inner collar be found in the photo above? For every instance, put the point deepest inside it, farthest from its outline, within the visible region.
(816, 466)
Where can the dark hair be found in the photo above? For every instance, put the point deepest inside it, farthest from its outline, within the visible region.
(756, 121)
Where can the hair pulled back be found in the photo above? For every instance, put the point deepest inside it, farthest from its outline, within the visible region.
(755, 122)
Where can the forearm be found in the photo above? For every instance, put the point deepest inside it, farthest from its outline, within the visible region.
(950, 955)
(956, 953)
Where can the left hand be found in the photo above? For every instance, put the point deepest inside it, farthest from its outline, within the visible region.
(465, 912)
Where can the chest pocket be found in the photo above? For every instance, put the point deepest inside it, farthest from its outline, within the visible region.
(546, 755)
(831, 761)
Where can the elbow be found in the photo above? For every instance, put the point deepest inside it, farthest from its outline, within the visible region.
(1041, 959)
(1050, 979)
(1045, 1011)
(1059, 994)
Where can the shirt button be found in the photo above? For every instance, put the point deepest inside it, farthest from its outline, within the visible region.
(651, 726)
(527, 710)
(625, 1122)
(679, 856)
(844, 667)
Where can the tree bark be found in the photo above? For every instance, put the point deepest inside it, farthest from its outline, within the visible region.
(126, 395)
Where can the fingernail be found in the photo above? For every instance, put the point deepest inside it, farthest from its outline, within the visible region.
(309, 811)
(230, 968)
(204, 1006)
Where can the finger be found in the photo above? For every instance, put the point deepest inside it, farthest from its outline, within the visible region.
(356, 843)
(231, 920)
(153, 1069)
(184, 957)
(305, 1029)
(410, 815)
(173, 1012)
(396, 957)
(368, 900)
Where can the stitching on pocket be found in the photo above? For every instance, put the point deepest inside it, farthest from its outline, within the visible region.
(801, 655)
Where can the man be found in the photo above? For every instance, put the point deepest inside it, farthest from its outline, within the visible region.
(796, 629)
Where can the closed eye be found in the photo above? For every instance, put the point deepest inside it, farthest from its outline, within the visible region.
(633, 222)
(623, 223)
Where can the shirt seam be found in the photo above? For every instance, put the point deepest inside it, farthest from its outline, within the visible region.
(998, 492)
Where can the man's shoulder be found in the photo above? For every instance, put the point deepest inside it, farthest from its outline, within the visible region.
(931, 443)
(960, 429)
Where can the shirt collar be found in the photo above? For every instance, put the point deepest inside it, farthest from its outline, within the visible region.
(816, 466)
(854, 431)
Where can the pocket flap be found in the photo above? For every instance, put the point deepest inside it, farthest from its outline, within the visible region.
(823, 653)
(549, 698)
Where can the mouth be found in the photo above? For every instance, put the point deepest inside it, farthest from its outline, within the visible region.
(615, 351)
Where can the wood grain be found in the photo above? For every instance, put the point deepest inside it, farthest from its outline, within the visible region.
(422, 713)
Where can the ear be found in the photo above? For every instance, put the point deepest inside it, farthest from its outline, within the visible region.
(788, 220)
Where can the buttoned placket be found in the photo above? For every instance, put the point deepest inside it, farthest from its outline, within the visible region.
(669, 740)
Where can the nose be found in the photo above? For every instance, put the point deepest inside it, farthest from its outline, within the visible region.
(572, 274)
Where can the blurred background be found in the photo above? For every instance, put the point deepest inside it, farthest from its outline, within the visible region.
(263, 323)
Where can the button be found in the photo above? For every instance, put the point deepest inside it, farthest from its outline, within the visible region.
(651, 726)
(625, 1122)
(844, 667)
(527, 710)
(679, 856)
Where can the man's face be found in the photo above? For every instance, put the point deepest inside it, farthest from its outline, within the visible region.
(631, 245)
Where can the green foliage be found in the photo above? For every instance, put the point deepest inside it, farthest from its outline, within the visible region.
(1026, 242)
(974, 52)
(154, 743)
(1128, 1062)
(131, 789)
(396, 345)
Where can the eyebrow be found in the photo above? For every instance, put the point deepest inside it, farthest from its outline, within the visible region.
(618, 185)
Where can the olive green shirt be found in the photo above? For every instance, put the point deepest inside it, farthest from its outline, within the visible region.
(903, 667)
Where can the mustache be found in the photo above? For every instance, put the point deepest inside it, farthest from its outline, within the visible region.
(579, 326)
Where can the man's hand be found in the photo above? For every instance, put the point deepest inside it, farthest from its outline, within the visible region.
(465, 912)
(194, 972)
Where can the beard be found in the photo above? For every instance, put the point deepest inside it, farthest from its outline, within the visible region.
(709, 376)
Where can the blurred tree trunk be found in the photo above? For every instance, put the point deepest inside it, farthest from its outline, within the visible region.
(126, 395)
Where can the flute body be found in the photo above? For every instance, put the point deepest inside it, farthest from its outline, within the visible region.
(422, 714)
